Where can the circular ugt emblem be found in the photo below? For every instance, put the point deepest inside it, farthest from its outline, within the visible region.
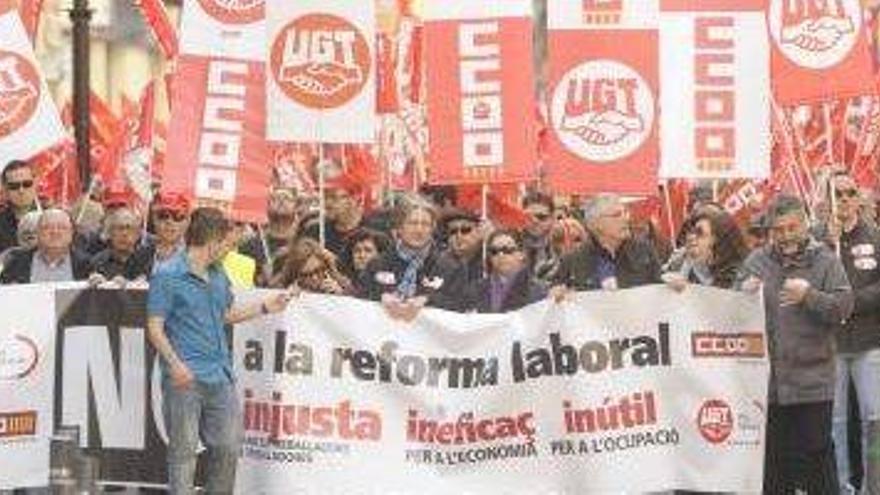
(816, 34)
(320, 61)
(19, 92)
(235, 11)
(602, 110)
(715, 421)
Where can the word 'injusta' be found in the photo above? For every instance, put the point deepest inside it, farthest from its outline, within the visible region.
(280, 420)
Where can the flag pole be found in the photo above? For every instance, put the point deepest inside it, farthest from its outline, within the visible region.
(80, 16)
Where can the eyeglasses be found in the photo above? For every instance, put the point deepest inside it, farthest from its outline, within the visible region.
(846, 193)
(496, 250)
(466, 230)
(15, 186)
(164, 216)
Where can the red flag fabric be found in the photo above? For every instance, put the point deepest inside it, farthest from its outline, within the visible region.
(30, 12)
(163, 30)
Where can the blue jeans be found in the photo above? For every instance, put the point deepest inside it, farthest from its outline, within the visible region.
(864, 370)
(206, 411)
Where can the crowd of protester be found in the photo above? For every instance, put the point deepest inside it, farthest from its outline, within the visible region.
(820, 280)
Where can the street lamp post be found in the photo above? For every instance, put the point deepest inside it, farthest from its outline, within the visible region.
(80, 16)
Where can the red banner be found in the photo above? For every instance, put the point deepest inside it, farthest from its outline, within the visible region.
(603, 111)
(216, 146)
(480, 93)
(820, 50)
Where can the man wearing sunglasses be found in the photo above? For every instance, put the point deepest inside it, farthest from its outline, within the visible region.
(858, 345)
(21, 195)
(462, 260)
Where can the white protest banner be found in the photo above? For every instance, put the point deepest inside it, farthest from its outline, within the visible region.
(224, 28)
(715, 80)
(321, 83)
(27, 379)
(29, 120)
(550, 399)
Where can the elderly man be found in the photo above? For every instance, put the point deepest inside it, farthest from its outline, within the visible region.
(19, 189)
(125, 259)
(53, 260)
(611, 258)
(806, 297)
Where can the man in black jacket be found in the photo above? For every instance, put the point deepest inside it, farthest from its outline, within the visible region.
(462, 260)
(53, 260)
(858, 344)
(19, 188)
(612, 258)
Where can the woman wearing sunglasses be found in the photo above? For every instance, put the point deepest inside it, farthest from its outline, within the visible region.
(509, 284)
(313, 269)
(713, 253)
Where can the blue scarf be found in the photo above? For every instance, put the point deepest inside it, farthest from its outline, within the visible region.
(414, 259)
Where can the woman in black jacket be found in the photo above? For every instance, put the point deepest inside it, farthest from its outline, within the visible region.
(509, 284)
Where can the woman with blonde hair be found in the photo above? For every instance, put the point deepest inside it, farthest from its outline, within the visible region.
(313, 268)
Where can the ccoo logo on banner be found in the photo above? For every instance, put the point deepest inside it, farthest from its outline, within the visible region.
(480, 129)
(29, 121)
(321, 76)
(716, 66)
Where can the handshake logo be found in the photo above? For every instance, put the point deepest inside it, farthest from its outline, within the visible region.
(603, 110)
(815, 34)
(19, 92)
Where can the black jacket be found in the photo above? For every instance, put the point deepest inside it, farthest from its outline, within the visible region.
(525, 290)
(458, 276)
(384, 273)
(18, 267)
(139, 264)
(636, 264)
(860, 255)
(8, 229)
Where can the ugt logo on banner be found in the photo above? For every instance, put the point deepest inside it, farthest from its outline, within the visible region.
(321, 81)
(321, 61)
(19, 92)
(235, 11)
(817, 34)
(603, 110)
(820, 50)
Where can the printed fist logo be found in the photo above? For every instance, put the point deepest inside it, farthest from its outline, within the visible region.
(321, 61)
(235, 11)
(715, 421)
(603, 110)
(19, 92)
(816, 34)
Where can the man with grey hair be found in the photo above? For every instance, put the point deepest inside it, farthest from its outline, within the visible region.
(612, 257)
(806, 298)
(53, 259)
(126, 258)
